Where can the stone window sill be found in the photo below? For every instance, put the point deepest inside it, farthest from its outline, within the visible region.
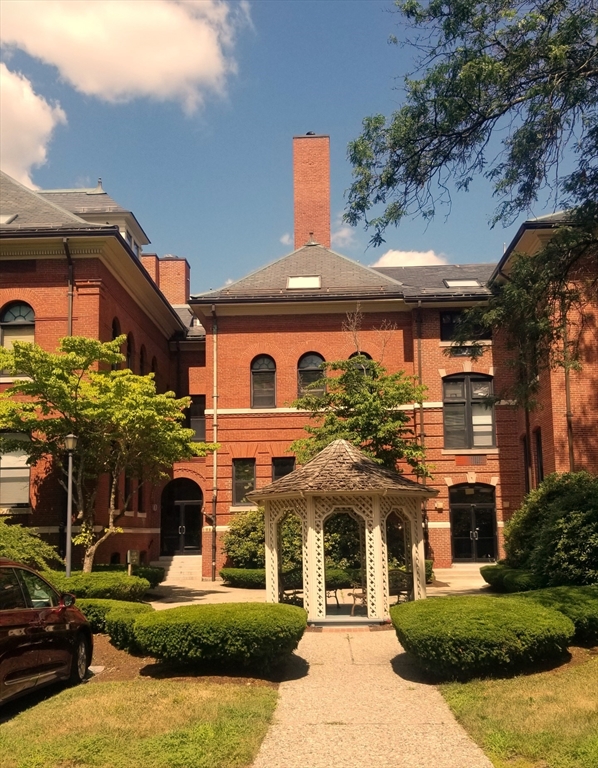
(469, 451)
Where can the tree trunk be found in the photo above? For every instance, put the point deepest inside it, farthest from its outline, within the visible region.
(90, 551)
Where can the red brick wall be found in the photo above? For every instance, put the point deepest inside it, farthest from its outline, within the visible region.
(175, 278)
(311, 175)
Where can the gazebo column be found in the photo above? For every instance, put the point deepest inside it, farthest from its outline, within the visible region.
(378, 605)
(418, 552)
(314, 583)
(271, 555)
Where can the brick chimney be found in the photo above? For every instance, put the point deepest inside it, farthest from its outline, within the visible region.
(311, 175)
(175, 278)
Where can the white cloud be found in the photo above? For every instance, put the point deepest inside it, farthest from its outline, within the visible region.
(343, 236)
(286, 239)
(120, 50)
(26, 124)
(394, 258)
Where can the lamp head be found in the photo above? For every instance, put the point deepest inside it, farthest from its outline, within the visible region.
(70, 442)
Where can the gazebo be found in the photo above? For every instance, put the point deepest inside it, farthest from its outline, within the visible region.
(342, 479)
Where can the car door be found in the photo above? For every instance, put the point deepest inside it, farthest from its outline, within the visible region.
(55, 634)
(19, 637)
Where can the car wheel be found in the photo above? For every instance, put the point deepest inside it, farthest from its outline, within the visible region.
(79, 663)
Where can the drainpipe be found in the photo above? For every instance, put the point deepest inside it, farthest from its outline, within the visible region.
(422, 434)
(569, 412)
(214, 436)
(71, 282)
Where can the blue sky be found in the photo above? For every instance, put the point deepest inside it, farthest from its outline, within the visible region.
(187, 111)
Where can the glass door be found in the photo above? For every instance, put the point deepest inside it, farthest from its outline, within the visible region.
(473, 523)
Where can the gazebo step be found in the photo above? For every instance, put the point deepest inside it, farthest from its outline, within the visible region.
(350, 622)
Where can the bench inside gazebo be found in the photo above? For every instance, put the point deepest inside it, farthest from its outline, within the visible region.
(343, 479)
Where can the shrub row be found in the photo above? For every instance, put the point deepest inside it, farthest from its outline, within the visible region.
(580, 604)
(471, 636)
(103, 585)
(241, 634)
(504, 579)
(336, 578)
(154, 574)
(116, 618)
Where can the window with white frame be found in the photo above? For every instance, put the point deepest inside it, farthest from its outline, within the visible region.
(14, 475)
(17, 323)
(468, 412)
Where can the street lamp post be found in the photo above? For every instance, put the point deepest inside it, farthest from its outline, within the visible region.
(70, 443)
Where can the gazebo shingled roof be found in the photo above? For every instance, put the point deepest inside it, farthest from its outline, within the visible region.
(341, 468)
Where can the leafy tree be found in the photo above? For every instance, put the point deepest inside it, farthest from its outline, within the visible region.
(25, 546)
(362, 404)
(508, 91)
(244, 542)
(522, 74)
(124, 426)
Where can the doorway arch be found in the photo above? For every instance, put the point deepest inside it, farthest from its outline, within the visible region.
(181, 518)
(473, 523)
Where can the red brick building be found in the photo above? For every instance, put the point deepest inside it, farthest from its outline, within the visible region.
(71, 261)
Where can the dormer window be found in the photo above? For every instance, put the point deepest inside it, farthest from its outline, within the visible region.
(304, 282)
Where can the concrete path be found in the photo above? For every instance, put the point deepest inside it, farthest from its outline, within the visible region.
(362, 703)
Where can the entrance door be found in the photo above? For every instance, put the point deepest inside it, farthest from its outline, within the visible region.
(181, 520)
(473, 523)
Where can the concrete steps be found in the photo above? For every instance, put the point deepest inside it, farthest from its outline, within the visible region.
(181, 570)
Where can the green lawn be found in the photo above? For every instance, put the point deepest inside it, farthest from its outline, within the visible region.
(141, 724)
(544, 720)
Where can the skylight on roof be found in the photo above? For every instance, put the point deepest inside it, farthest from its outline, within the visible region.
(462, 283)
(304, 281)
(7, 218)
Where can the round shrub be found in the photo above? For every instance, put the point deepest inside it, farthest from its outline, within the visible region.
(97, 610)
(504, 579)
(154, 574)
(241, 634)
(471, 636)
(580, 604)
(105, 585)
(120, 624)
(554, 534)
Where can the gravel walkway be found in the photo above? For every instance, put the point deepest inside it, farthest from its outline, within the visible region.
(362, 703)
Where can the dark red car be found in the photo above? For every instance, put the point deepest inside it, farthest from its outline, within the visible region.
(43, 636)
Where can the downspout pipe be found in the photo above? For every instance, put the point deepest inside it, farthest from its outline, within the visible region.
(214, 436)
(422, 433)
(71, 285)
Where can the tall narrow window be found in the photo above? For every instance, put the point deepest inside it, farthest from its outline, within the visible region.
(282, 466)
(130, 352)
(468, 416)
(539, 459)
(196, 417)
(142, 361)
(17, 323)
(263, 382)
(243, 479)
(140, 496)
(115, 335)
(526, 465)
(14, 475)
(309, 371)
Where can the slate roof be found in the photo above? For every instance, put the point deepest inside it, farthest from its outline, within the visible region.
(83, 200)
(33, 210)
(428, 281)
(340, 468)
(340, 277)
(187, 316)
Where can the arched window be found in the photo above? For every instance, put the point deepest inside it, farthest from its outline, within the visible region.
(130, 352)
(115, 328)
(142, 361)
(468, 411)
(362, 367)
(17, 323)
(263, 382)
(310, 370)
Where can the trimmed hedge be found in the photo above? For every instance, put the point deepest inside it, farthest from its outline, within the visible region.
(244, 578)
(429, 571)
(242, 634)
(580, 604)
(154, 574)
(255, 578)
(470, 636)
(103, 585)
(116, 618)
(504, 579)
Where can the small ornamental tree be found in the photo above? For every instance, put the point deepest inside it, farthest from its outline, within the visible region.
(362, 403)
(124, 426)
(25, 546)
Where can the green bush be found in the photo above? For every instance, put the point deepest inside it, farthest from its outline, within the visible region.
(554, 534)
(504, 579)
(154, 574)
(337, 578)
(244, 578)
(429, 571)
(580, 604)
(114, 617)
(470, 636)
(106, 585)
(240, 634)
(25, 546)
